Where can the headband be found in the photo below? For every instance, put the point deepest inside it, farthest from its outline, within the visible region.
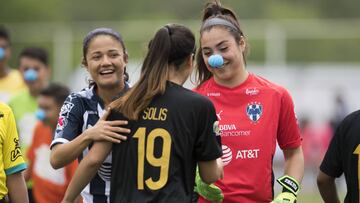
(217, 21)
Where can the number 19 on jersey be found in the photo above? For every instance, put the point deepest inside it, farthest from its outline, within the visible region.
(146, 150)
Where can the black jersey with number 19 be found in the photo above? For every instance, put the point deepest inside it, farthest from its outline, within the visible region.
(157, 162)
(343, 155)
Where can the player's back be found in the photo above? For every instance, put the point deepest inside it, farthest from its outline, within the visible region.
(343, 155)
(157, 162)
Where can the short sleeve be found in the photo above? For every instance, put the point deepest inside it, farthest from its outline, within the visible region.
(332, 162)
(288, 135)
(70, 121)
(207, 144)
(13, 158)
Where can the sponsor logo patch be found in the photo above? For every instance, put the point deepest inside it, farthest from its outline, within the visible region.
(213, 94)
(66, 108)
(16, 153)
(227, 155)
(252, 91)
(216, 128)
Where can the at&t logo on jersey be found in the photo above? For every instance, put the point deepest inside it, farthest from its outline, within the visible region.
(254, 111)
(227, 155)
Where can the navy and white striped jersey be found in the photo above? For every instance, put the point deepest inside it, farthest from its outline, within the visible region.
(79, 112)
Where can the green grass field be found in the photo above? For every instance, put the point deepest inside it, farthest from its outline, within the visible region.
(309, 198)
(314, 197)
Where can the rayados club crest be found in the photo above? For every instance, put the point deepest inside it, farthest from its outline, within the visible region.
(254, 111)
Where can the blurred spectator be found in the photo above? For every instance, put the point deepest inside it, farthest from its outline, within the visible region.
(10, 80)
(316, 138)
(33, 65)
(340, 110)
(49, 185)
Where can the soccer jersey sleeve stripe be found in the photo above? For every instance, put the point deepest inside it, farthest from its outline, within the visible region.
(15, 169)
(58, 141)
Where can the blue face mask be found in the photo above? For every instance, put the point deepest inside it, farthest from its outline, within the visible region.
(30, 75)
(40, 114)
(216, 61)
(2, 53)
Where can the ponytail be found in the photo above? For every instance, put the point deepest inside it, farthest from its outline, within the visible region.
(170, 45)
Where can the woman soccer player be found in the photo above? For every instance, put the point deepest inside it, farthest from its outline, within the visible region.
(254, 114)
(172, 130)
(82, 118)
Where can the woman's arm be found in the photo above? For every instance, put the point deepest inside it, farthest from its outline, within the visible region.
(87, 169)
(63, 154)
(327, 188)
(17, 188)
(211, 171)
(294, 163)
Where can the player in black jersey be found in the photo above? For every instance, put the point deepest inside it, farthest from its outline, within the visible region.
(343, 156)
(172, 130)
(83, 119)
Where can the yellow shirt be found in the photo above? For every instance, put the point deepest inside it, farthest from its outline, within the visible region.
(11, 160)
(10, 85)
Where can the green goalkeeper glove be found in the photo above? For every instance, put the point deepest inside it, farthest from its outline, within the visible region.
(209, 192)
(290, 190)
(285, 197)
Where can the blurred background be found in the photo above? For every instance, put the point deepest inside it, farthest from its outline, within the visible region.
(311, 47)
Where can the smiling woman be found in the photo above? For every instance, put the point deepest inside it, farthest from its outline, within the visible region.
(105, 58)
(264, 112)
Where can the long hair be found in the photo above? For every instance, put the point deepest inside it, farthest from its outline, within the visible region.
(172, 44)
(216, 10)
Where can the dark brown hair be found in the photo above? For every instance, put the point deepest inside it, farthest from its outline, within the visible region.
(36, 53)
(172, 44)
(57, 91)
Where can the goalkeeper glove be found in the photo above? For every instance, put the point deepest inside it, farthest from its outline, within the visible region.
(209, 192)
(290, 190)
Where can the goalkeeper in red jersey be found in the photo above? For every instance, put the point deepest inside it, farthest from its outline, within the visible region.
(254, 115)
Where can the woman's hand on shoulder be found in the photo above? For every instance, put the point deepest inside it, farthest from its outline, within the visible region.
(109, 131)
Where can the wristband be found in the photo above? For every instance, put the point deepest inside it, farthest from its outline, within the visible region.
(289, 184)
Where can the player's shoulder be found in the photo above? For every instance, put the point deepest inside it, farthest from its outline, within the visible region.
(194, 98)
(4, 110)
(81, 96)
(205, 86)
(269, 86)
(265, 83)
(352, 118)
(115, 114)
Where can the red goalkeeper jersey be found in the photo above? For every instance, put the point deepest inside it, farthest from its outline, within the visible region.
(253, 117)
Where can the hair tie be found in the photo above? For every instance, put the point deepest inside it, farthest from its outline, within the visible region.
(168, 29)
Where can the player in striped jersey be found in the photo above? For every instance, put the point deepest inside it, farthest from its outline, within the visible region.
(105, 58)
(172, 130)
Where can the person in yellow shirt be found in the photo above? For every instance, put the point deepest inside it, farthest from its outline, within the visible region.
(12, 182)
(11, 81)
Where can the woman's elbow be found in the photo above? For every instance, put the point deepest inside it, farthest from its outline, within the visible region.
(324, 180)
(214, 176)
(93, 161)
(54, 162)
